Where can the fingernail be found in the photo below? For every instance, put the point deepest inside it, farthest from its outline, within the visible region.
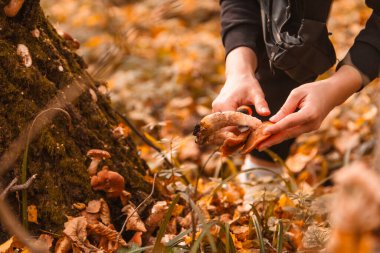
(263, 109)
(273, 118)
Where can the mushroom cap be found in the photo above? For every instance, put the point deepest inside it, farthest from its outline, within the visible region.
(109, 181)
(98, 153)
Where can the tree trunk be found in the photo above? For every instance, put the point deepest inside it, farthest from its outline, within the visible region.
(58, 153)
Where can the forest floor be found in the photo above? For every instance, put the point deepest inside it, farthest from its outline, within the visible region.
(163, 62)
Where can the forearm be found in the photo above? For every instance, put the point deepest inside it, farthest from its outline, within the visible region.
(345, 82)
(241, 61)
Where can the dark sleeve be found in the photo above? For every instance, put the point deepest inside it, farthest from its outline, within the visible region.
(241, 23)
(364, 55)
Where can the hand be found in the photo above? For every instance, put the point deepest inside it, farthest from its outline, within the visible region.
(314, 101)
(241, 87)
(241, 90)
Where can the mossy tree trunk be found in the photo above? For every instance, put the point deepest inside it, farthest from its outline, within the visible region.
(58, 154)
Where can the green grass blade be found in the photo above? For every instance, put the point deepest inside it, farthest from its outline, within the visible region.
(202, 220)
(138, 250)
(24, 196)
(259, 233)
(158, 246)
(280, 236)
(230, 247)
(197, 243)
(173, 242)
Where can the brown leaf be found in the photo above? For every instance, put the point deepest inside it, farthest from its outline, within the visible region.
(63, 245)
(11, 245)
(299, 160)
(134, 223)
(105, 215)
(108, 232)
(346, 141)
(46, 239)
(136, 239)
(157, 214)
(93, 206)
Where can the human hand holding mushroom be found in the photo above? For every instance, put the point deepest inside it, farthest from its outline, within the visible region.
(232, 131)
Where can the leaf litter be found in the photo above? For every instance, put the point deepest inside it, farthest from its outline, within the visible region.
(169, 70)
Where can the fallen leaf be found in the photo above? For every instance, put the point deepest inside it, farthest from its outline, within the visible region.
(134, 223)
(32, 214)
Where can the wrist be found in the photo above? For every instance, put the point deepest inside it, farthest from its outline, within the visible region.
(345, 82)
(241, 76)
(240, 62)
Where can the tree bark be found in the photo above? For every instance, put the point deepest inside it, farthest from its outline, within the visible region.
(58, 153)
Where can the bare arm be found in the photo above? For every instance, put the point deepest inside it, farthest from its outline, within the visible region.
(314, 101)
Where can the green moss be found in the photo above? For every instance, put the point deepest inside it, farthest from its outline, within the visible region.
(58, 155)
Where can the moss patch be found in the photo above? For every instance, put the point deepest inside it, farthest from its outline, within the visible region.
(58, 155)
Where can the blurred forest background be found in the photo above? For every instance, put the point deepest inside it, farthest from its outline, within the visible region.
(163, 63)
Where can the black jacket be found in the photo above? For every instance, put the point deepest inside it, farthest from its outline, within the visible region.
(241, 26)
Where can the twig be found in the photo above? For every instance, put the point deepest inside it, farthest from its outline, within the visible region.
(24, 186)
(137, 208)
(8, 188)
(13, 188)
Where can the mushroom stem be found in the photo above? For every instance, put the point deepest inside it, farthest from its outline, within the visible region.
(93, 168)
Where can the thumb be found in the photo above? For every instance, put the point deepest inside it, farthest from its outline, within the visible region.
(290, 105)
(257, 98)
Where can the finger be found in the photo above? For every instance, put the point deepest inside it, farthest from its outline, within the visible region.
(290, 106)
(257, 98)
(295, 119)
(261, 105)
(283, 136)
(222, 107)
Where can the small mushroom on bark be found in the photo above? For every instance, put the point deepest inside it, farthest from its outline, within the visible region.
(224, 129)
(13, 7)
(109, 181)
(23, 52)
(96, 155)
(121, 132)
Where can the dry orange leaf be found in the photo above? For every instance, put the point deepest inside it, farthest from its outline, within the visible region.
(32, 214)
(299, 160)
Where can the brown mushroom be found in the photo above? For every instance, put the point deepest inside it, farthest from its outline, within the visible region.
(256, 138)
(224, 128)
(109, 181)
(216, 121)
(231, 145)
(13, 7)
(96, 155)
